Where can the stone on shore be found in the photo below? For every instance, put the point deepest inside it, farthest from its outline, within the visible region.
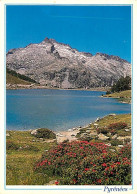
(114, 136)
(67, 136)
(102, 137)
(113, 114)
(7, 134)
(34, 132)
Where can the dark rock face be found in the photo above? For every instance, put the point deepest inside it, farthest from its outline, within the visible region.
(58, 65)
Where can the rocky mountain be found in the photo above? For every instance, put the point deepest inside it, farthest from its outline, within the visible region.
(58, 65)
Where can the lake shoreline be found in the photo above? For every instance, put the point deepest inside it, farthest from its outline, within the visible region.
(54, 108)
(32, 86)
(71, 134)
(24, 149)
(122, 96)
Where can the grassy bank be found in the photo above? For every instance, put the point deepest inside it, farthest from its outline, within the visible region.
(24, 150)
(124, 96)
(10, 79)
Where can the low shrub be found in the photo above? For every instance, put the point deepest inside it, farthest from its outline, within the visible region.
(30, 148)
(126, 151)
(113, 132)
(119, 125)
(84, 163)
(102, 130)
(45, 133)
(11, 146)
(86, 138)
(116, 142)
(123, 133)
(108, 92)
(126, 141)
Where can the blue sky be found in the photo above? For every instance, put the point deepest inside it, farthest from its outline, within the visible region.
(105, 29)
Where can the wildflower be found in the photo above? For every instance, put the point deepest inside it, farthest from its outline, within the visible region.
(112, 166)
(81, 147)
(93, 170)
(124, 158)
(118, 163)
(99, 180)
(74, 180)
(56, 182)
(104, 164)
(86, 169)
(106, 168)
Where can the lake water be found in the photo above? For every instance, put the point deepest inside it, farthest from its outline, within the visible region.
(57, 109)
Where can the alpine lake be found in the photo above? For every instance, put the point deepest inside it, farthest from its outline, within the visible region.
(58, 110)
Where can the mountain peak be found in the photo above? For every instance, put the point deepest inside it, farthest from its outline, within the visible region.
(47, 40)
(116, 58)
(58, 65)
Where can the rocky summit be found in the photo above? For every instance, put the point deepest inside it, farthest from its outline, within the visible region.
(54, 64)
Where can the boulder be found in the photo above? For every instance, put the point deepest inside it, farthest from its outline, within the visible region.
(97, 119)
(113, 114)
(102, 137)
(127, 130)
(34, 132)
(70, 130)
(114, 136)
(7, 134)
(120, 146)
(112, 150)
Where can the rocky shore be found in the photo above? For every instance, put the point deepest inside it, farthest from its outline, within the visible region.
(35, 86)
(99, 131)
(123, 96)
(25, 148)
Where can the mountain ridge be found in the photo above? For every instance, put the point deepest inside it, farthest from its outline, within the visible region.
(58, 65)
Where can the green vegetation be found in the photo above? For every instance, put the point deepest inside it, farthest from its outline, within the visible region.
(23, 151)
(45, 133)
(121, 89)
(108, 126)
(124, 83)
(124, 96)
(84, 163)
(109, 119)
(12, 77)
(36, 160)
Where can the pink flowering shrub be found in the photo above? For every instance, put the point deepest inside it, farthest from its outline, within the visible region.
(119, 125)
(84, 163)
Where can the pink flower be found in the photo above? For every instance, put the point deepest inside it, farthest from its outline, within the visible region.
(99, 181)
(56, 182)
(117, 162)
(104, 164)
(93, 170)
(74, 180)
(86, 169)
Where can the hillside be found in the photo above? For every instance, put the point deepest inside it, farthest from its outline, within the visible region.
(24, 151)
(123, 96)
(57, 65)
(10, 79)
(13, 78)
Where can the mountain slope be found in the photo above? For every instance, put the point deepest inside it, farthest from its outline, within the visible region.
(55, 64)
(15, 78)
